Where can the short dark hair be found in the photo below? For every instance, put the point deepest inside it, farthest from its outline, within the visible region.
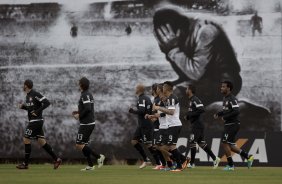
(84, 83)
(228, 84)
(28, 83)
(192, 88)
(154, 87)
(170, 84)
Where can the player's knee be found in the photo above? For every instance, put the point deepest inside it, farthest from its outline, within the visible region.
(26, 140)
(133, 142)
(79, 146)
(163, 148)
(42, 142)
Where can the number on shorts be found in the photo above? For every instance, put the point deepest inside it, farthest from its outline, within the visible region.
(79, 136)
(28, 132)
(225, 136)
(144, 138)
(170, 137)
(160, 138)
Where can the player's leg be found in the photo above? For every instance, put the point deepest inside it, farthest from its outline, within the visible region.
(28, 135)
(193, 149)
(82, 140)
(173, 134)
(27, 144)
(148, 140)
(200, 139)
(38, 131)
(235, 149)
(57, 161)
(227, 140)
(157, 144)
(137, 138)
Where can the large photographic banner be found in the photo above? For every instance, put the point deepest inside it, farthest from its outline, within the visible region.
(113, 44)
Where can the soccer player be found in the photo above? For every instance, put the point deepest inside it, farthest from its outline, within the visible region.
(144, 131)
(158, 156)
(256, 24)
(86, 117)
(230, 116)
(195, 109)
(163, 127)
(34, 105)
(172, 111)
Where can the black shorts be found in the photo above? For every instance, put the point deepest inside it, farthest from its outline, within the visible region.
(84, 133)
(162, 137)
(34, 130)
(156, 135)
(229, 134)
(172, 135)
(197, 136)
(144, 135)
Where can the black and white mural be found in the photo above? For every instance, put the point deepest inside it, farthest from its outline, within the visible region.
(116, 44)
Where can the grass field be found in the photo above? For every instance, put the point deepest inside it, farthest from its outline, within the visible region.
(71, 174)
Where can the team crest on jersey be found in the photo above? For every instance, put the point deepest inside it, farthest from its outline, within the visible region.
(148, 106)
(30, 99)
(190, 104)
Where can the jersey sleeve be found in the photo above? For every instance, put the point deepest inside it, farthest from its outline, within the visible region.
(233, 109)
(86, 105)
(197, 109)
(43, 100)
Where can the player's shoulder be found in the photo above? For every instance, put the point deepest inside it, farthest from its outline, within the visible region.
(35, 93)
(232, 97)
(86, 93)
(144, 97)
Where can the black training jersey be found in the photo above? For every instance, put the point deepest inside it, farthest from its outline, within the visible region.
(35, 103)
(230, 112)
(86, 108)
(157, 101)
(172, 103)
(144, 106)
(195, 109)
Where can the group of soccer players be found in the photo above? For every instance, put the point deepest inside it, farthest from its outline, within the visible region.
(35, 104)
(159, 127)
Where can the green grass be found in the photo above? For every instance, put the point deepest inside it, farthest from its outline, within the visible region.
(71, 174)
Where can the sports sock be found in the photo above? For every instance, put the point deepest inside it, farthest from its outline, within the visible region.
(27, 153)
(87, 153)
(155, 154)
(176, 155)
(193, 155)
(49, 150)
(139, 148)
(244, 154)
(209, 152)
(162, 159)
(230, 161)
